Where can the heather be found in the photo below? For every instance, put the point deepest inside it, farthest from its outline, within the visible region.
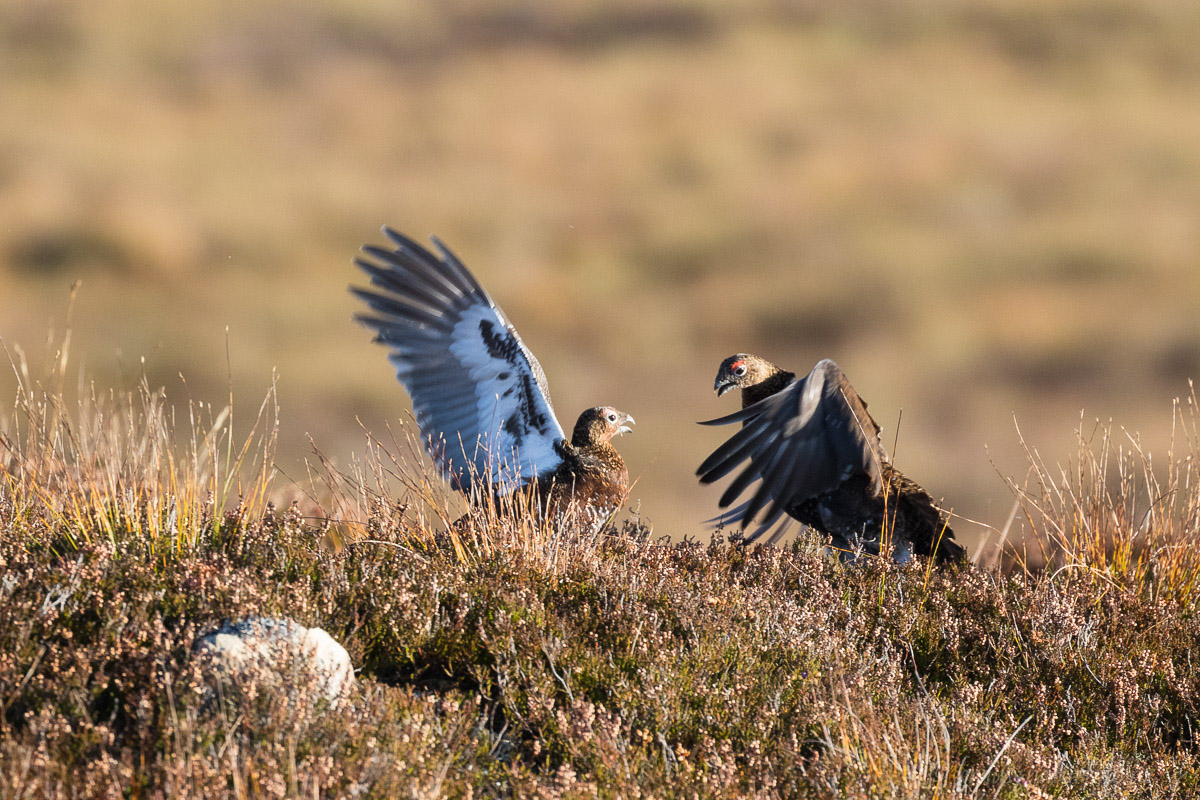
(499, 658)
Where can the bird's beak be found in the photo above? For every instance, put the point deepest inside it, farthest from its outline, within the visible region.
(721, 387)
(625, 423)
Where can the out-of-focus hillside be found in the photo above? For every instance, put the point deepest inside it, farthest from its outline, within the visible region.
(980, 209)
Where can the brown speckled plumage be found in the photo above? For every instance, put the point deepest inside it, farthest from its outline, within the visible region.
(592, 480)
(816, 453)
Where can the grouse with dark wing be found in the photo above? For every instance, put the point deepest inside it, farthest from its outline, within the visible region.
(816, 455)
(479, 395)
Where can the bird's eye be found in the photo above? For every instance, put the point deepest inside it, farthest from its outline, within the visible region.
(612, 417)
(739, 371)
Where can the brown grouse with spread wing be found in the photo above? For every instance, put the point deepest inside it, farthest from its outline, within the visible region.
(479, 395)
(815, 454)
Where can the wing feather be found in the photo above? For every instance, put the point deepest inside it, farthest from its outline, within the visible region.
(388, 279)
(406, 266)
(729, 455)
(739, 485)
(790, 466)
(456, 270)
(479, 395)
(394, 315)
(447, 272)
(776, 519)
(426, 265)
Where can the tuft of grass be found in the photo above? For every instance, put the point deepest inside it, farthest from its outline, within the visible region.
(117, 463)
(1114, 517)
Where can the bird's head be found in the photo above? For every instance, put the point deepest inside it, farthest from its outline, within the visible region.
(600, 424)
(741, 371)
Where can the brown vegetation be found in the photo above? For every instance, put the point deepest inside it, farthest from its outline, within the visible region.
(502, 659)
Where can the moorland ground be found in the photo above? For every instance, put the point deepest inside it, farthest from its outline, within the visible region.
(500, 658)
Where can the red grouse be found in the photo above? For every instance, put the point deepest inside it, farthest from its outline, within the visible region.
(479, 394)
(816, 455)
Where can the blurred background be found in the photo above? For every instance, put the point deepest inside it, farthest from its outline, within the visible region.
(985, 211)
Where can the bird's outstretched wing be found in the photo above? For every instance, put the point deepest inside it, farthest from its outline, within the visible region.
(799, 443)
(773, 527)
(479, 395)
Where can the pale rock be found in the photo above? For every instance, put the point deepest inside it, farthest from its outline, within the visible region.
(268, 647)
